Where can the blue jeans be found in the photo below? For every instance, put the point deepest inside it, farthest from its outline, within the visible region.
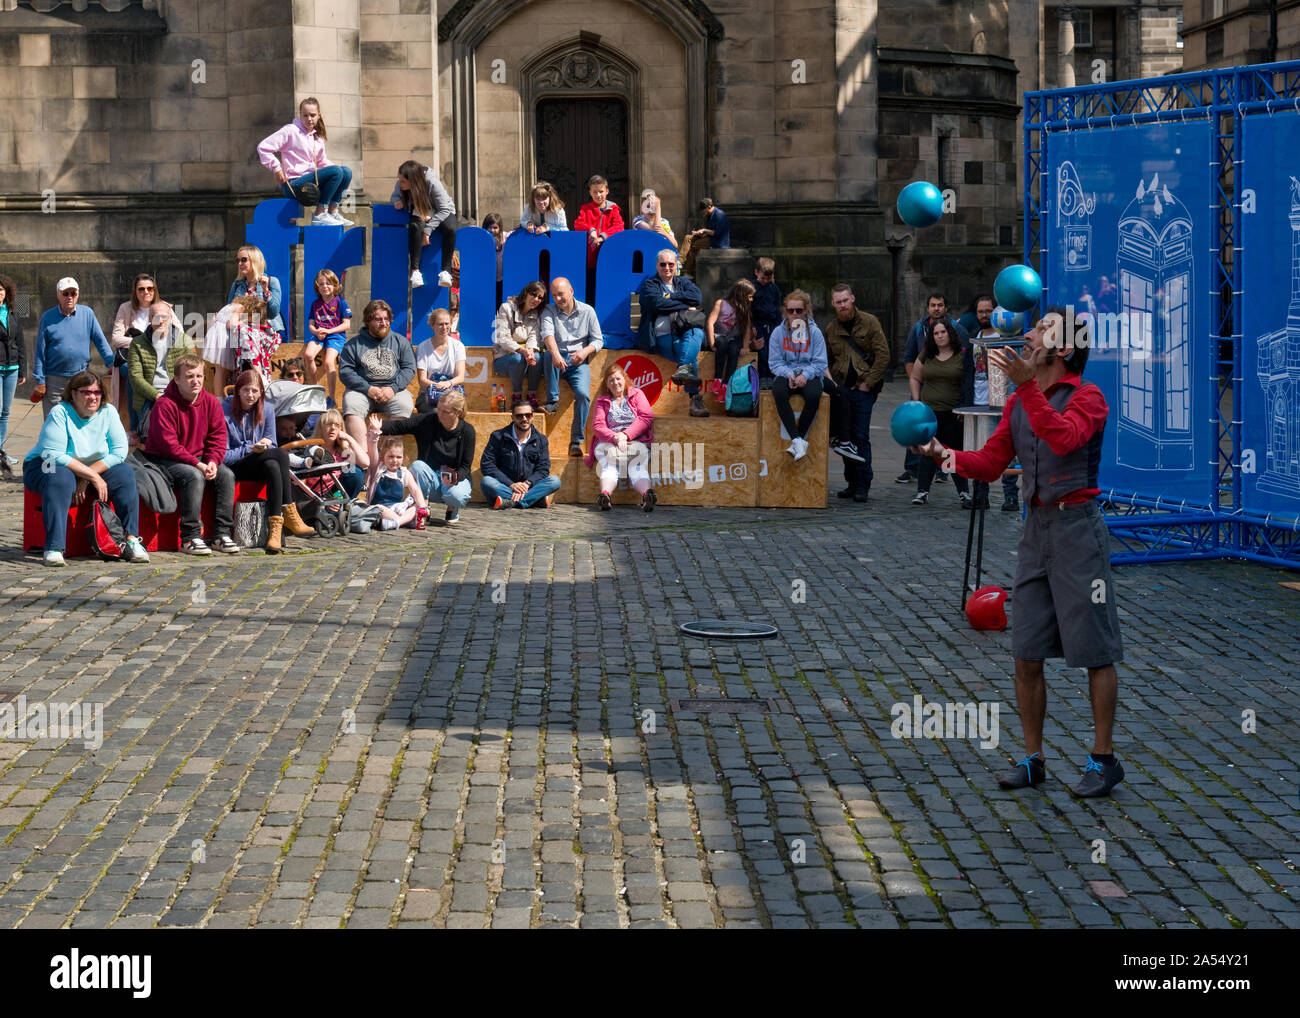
(494, 489)
(515, 367)
(579, 379)
(453, 496)
(8, 385)
(57, 487)
(683, 349)
(352, 480)
(334, 180)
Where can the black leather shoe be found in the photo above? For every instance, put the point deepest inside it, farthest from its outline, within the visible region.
(846, 493)
(860, 495)
(1028, 772)
(1011, 505)
(1098, 779)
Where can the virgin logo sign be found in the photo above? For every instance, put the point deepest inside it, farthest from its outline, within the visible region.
(644, 375)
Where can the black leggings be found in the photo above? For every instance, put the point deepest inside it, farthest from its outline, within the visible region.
(271, 467)
(725, 357)
(446, 232)
(950, 433)
(812, 397)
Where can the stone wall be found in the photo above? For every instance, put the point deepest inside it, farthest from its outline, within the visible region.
(399, 90)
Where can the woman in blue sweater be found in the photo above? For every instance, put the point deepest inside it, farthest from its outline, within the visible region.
(82, 448)
(251, 454)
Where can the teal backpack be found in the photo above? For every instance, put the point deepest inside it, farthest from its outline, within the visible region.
(742, 392)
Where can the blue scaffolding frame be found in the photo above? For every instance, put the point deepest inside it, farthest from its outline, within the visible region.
(1147, 528)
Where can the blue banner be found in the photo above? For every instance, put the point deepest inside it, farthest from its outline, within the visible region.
(1126, 244)
(1270, 241)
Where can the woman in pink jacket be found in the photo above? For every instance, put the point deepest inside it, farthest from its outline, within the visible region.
(621, 423)
(296, 155)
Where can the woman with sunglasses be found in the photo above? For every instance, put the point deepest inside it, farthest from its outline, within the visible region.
(798, 361)
(81, 451)
(134, 318)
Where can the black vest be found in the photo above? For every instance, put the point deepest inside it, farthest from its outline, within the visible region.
(1044, 474)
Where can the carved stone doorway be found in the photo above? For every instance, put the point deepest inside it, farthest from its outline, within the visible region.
(579, 137)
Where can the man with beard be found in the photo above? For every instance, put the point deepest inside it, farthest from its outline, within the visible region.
(375, 367)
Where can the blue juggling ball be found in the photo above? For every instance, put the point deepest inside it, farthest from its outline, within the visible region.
(920, 204)
(1010, 324)
(913, 423)
(1017, 288)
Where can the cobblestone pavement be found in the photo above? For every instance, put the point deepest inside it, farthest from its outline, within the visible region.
(451, 729)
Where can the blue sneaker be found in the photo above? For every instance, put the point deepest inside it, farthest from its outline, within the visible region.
(1098, 779)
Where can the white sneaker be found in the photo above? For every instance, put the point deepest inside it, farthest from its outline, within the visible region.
(322, 219)
(338, 220)
(444, 278)
(793, 448)
(226, 545)
(53, 558)
(417, 278)
(802, 449)
(135, 550)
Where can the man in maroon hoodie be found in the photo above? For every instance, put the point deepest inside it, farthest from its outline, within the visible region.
(187, 439)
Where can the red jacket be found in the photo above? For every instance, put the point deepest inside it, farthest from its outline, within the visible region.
(592, 217)
(184, 431)
(638, 431)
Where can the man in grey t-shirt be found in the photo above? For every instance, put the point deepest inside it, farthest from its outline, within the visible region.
(572, 334)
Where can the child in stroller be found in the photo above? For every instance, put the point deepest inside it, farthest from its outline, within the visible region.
(326, 503)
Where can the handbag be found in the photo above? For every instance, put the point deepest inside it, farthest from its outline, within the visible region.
(309, 193)
(107, 536)
(251, 528)
(685, 320)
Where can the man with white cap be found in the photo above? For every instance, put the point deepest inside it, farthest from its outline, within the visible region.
(63, 344)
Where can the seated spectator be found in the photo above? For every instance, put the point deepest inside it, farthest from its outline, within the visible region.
(729, 332)
(330, 320)
(445, 450)
(544, 212)
(151, 362)
(516, 465)
(663, 332)
(375, 368)
(296, 155)
(571, 332)
(13, 364)
(419, 191)
(338, 443)
(798, 362)
(621, 426)
(941, 376)
(517, 352)
(187, 439)
(600, 217)
(394, 488)
(254, 341)
(650, 217)
(134, 318)
(63, 344)
(252, 455)
(439, 362)
(81, 449)
(716, 232)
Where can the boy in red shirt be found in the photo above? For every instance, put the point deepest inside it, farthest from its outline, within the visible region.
(600, 217)
(187, 439)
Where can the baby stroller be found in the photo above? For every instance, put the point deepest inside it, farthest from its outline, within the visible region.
(324, 503)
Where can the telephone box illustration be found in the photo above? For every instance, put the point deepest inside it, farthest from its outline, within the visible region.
(1278, 367)
(1155, 262)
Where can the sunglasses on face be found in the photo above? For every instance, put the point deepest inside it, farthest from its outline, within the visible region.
(242, 259)
(67, 293)
(794, 311)
(523, 417)
(670, 264)
(97, 393)
(144, 289)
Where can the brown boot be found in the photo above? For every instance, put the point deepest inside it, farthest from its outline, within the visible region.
(276, 532)
(293, 522)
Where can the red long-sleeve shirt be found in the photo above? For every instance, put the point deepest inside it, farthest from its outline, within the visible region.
(1064, 432)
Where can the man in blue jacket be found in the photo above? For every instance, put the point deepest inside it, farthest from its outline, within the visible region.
(516, 464)
(63, 344)
(661, 296)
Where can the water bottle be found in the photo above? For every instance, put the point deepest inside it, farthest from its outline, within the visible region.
(496, 397)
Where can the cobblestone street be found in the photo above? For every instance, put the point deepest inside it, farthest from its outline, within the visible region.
(482, 727)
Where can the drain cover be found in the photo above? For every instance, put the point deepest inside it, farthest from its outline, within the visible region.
(728, 629)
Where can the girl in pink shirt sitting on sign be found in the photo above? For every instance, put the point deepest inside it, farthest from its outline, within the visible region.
(621, 423)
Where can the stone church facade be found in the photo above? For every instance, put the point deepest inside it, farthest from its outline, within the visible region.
(802, 119)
